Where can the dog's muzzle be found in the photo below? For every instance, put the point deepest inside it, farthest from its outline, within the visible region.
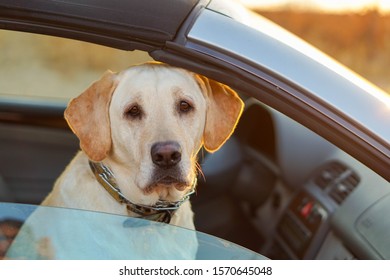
(162, 211)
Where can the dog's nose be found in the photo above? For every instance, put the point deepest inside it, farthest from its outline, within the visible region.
(166, 154)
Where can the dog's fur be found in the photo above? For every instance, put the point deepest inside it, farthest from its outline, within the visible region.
(101, 118)
(121, 117)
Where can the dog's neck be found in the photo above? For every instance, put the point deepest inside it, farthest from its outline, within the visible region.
(162, 211)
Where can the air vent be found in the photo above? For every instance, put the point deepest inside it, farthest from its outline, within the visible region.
(344, 187)
(329, 174)
(337, 180)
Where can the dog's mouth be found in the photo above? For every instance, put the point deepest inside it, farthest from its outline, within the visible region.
(163, 183)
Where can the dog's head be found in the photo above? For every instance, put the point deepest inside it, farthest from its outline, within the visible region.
(148, 124)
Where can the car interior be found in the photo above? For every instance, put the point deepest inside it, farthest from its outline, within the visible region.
(275, 187)
(289, 194)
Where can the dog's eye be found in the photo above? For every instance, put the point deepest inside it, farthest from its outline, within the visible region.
(133, 112)
(184, 107)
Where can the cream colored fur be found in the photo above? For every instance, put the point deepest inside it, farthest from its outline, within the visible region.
(157, 89)
(124, 143)
(105, 118)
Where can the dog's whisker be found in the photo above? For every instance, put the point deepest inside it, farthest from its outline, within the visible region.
(199, 170)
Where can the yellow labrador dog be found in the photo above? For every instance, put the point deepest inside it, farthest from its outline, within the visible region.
(140, 131)
(146, 125)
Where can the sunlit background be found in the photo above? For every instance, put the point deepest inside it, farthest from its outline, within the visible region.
(324, 5)
(354, 32)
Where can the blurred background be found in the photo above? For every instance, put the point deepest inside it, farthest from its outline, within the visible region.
(354, 32)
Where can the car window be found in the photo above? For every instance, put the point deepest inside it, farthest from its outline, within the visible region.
(51, 67)
(70, 229)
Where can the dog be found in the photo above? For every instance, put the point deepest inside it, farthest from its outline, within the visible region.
(140, 131)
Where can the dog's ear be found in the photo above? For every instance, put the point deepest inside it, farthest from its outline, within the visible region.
(224, 108)
(88, 117)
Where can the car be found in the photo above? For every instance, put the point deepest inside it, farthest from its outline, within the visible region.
(306, 173)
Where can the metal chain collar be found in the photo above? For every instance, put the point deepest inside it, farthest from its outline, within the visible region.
(162, 211)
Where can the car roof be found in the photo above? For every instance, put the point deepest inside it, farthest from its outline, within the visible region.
(135, 24)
